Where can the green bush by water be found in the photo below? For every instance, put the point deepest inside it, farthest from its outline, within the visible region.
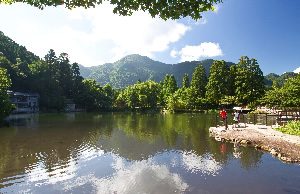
(292, 128)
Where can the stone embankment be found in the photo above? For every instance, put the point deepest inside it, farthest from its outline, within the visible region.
(285, 147)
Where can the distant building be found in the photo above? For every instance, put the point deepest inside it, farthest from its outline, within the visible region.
(25, 102)
(70, 105)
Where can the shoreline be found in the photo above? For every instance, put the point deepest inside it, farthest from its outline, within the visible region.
(283, 146)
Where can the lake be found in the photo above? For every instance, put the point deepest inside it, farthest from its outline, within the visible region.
(132, 153)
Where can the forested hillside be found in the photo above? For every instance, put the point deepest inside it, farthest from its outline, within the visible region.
(129, 69)
(13, 51)
(279, 80)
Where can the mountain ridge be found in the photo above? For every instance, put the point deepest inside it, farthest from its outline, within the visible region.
(130, 68)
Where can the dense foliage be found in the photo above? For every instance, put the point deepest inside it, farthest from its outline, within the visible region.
(5, 104)
(286, 96)
(165, 9)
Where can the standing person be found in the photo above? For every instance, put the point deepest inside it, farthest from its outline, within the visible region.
(236, 118)
(223, 114)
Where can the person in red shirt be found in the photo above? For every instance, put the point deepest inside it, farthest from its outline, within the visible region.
(223, 114)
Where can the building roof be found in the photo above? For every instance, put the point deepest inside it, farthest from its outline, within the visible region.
(23, 94)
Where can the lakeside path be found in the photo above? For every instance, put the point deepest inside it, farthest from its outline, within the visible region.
(286, 147)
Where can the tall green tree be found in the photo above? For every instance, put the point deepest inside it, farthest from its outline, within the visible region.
(199, 81)
(231, 80)
(249, 85)
(172, 85)
(198, 87)
(217, 86)
(186, 81)
(163, 95)
(65, 75)
(5, 104)
(52, 61)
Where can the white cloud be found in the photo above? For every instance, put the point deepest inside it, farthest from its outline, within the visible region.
(137, 34)
(297, 70)
(193, 53)
(174, 53)
(90, 36)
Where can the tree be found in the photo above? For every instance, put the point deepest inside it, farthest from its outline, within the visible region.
(42, 82)
(92, 96)
(6, 106)
(287, 95)
(291, 92)
(217, 86)
(198, 84)
(249, 85)
(163, 91)
(172, 85)
(186, 81)
(65, 75)
(231, 80)
(199, 81)
(165, 9)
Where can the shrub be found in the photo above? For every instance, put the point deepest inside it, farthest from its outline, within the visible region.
(292, 128)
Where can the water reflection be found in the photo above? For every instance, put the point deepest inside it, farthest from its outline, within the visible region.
(205, 164)
(123, 153)
(140, 177)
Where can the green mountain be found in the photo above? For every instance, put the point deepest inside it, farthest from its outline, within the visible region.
(129, 69)
(12, 51)
(280, 79)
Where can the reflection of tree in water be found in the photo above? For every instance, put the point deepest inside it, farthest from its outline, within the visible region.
(5, 149)
(193, 128)
(250, 158)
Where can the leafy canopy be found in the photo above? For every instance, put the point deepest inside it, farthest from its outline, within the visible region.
(165, 9)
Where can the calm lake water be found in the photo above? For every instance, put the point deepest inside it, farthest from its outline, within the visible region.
(132, 153)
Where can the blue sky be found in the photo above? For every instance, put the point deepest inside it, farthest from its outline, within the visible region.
(267, 30)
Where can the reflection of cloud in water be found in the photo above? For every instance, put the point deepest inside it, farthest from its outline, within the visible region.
(62, 171)
(205, 164)
(138, 177)
(40, 175)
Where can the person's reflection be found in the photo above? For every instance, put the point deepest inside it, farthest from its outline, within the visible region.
(223, 148)
(236, 150)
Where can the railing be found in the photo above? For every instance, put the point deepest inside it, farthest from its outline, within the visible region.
(259, 119)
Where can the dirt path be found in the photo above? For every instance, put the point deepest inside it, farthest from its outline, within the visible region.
(285, 147)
